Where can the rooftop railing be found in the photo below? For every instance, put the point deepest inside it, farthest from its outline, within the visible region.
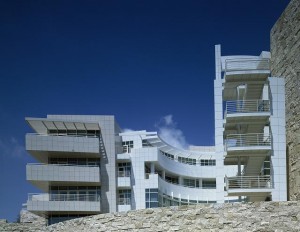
(62, 197)
(232, 65)
(247, 106)
(248, 182)
(247, 140)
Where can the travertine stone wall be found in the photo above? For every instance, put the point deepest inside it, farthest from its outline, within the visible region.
(28, 217)
(259, 216)
(285, 62)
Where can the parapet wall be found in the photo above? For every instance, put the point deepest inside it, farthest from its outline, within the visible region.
(285, 62)
(259, 216)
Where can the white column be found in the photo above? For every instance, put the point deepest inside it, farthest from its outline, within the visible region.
(152, 168)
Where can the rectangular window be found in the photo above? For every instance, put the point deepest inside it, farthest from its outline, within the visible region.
(127, 145)
(209, 183)
(208, 162)
(184, 160)
(151, 198)
(124, 169)
(170, 156)
(191, 183)
(124, 197)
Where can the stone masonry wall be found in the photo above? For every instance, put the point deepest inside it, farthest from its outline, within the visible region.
(285, 62)
(259, 216)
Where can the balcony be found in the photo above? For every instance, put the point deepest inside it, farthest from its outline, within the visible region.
(124, 179)
(246, 69)
(248, 185)
(124, 204)
(247, 111)
(39, 145)
(248, 144)
(184, 192)
(41, 174)
(41, 203)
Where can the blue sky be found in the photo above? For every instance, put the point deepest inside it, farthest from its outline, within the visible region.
(138, 60)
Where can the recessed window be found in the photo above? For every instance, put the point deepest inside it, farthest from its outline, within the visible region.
(209, 183)
(124, 197)
(151, 198)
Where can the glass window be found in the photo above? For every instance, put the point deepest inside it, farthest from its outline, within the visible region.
(124, 169)
(185, 160)
(151, 197)
(209, 183)
(124, 197)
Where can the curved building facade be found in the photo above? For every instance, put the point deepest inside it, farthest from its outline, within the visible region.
(87, 165)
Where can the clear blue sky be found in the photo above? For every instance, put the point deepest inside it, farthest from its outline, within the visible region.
(138, 60)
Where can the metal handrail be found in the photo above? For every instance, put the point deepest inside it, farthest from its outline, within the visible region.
(65, 135)
(246, 140)
(198, 161)
(247, 106)
(124, 201)
(247, 64)
(186, 186)
(124, 173)
(248, 182)
(62, 197)
(72, 165)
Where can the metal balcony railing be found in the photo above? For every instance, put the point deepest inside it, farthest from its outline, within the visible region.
(247, 64)
(63, 197)
(124, 201)
(126, 173)
(247, 140)
(248, 182)
(63, 165)
(247, 106)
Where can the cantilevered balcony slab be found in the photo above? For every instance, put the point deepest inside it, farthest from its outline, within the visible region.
(247, 112)
(246, 69)
(41, 175)
(124, 182)
(252, 72)
(42, 145)
(43, 203)
(255, 144)
(248, 185)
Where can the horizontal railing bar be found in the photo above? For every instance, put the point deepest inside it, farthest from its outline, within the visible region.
(248, 182)
(187, 186)
(247, 106)
(251, 139)
(63, 197)
(66, 135)
(73, 165)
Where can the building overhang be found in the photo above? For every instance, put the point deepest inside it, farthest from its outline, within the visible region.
(43, 125)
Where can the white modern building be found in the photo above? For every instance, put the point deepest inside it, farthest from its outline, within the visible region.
(88, 166)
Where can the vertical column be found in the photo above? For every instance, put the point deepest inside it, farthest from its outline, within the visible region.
(218, 61)
(218, 100)
(108, 164)
(277, 129)
(152, 168)
(180, 180)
